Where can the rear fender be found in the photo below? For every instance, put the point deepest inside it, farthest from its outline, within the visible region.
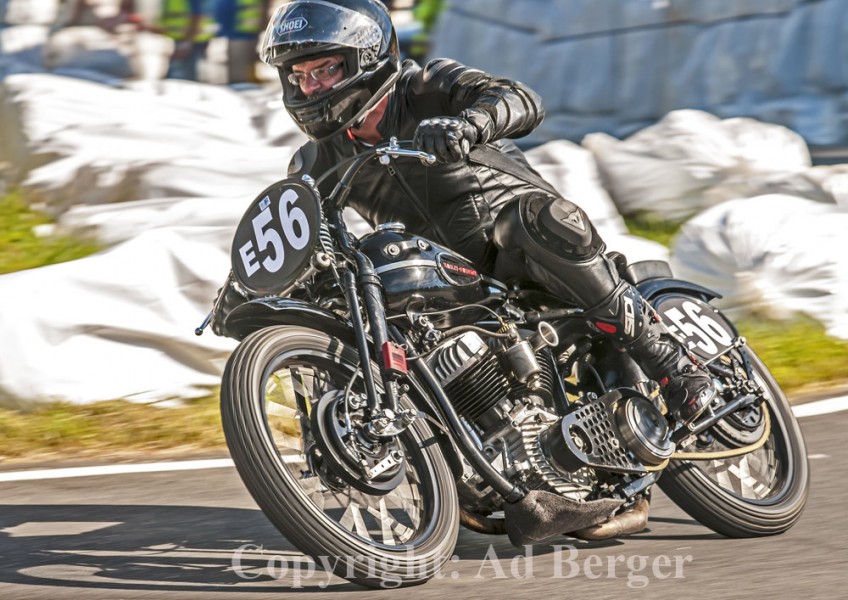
(653, 278)
(654, 288)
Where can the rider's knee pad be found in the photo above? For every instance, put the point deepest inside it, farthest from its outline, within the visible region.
(560, 247)
(555, 225)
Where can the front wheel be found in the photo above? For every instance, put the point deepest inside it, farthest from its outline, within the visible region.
(756, 494)
(279, 402)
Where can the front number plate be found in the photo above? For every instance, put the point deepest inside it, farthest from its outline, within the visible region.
(275, 238)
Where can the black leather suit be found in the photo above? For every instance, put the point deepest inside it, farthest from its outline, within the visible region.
(460, 204)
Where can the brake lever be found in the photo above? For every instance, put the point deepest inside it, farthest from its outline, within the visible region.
(394, 150)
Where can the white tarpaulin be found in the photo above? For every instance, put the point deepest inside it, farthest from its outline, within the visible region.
(118, 324)
(161, 173)
(81, 142)
(775, 253)
(618, 66)
(692, 160)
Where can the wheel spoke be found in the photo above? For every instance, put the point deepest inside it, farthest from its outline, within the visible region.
(760, 492)
(753, 475)
(392, 529)
(303, 383)
(743, 475)
(314, 488)
(406, 499)
(352, 521)
(391, 519)
(756, 475)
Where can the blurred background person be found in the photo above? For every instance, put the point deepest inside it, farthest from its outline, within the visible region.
(241, 22)
(188, 23)
(73, 12)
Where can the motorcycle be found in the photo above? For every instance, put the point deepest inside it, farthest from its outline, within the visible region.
(385, 391)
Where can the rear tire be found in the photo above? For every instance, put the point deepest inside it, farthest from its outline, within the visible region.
(270, 385)
(757, 494)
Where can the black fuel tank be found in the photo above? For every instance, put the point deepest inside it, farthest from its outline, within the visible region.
(421, 275)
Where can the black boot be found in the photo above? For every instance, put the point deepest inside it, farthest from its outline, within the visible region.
(686, 387)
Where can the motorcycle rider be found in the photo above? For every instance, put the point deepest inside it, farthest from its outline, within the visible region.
(346, 89)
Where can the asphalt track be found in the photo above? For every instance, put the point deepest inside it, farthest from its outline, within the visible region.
(176, 535)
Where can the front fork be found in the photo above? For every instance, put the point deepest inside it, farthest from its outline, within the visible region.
(385, 415)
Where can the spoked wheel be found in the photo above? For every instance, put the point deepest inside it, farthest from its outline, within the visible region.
(759, 493)
(290, 404)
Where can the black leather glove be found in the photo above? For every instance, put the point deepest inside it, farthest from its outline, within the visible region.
(449, 139)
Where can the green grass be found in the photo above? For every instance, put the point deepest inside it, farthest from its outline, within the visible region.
(798, 352)
(112, 428)
(653, 229)
(21, 248)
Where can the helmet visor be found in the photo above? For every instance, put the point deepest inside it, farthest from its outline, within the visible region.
(343, 60)
(316, 22)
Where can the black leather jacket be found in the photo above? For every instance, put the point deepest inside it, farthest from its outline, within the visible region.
(453, 204)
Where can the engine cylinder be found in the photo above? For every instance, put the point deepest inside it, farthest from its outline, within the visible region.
(479, 388)
(471, 375)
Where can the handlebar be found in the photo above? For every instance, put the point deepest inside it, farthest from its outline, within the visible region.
(393, 148)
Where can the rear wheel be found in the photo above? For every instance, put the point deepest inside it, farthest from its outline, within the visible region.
(759, 493)
(289, 398)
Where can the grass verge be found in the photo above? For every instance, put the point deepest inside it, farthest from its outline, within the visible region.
(798, 352)
(21, 248)
(64, 431)
(653, 229)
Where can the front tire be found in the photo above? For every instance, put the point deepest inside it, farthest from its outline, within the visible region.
(757, 494)
(271, 385)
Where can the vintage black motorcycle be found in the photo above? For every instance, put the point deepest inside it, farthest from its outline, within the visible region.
(385, 392)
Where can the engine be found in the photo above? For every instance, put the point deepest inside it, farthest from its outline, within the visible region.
(504, 395)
